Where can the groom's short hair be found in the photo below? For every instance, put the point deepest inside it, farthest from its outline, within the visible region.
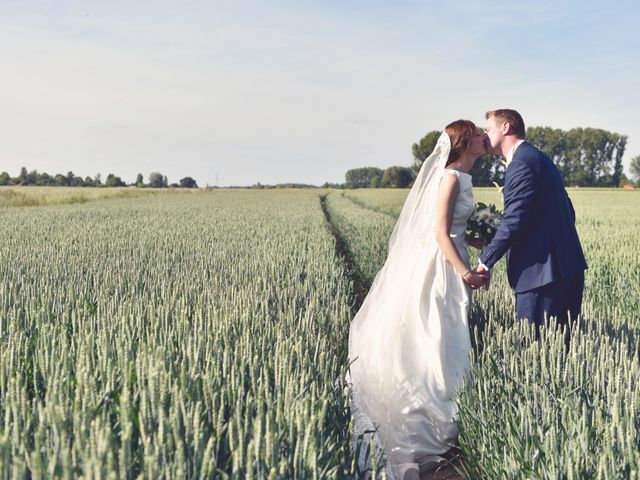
(513, 118)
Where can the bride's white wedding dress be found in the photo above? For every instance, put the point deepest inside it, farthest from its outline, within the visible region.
(409, 343)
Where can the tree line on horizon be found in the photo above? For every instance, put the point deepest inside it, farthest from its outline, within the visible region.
(35, 178)
(586, 157)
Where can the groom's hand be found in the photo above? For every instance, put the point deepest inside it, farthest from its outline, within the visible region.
(485, 274)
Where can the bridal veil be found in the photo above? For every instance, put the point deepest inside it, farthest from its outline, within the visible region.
(401, 388)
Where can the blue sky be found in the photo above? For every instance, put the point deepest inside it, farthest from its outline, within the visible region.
(271, 92)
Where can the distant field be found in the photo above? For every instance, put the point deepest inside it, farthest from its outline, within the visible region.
(41, 196)
(204, 335)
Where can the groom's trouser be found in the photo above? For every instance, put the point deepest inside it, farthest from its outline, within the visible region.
(561, 299)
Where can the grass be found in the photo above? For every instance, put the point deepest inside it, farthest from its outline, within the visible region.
(204, 335)
(533, 409)
(173, 336)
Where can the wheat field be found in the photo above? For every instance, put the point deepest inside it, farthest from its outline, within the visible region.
(204, 335)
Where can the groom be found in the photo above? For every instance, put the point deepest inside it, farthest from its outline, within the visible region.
(545, 263)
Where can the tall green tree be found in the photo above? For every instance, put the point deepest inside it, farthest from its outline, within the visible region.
(156, 180)
(586, 157)
(397, 177)
(46, 179)
(362, 177)
(114, 181)
(634, 168)
(77, 181)
(487, 170)
(423, 149)
(188, 182)
(60, 180)
(31, 178)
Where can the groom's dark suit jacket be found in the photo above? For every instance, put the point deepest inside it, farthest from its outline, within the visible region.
(538, 226)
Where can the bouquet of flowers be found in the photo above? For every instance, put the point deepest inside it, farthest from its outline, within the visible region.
(482, 224)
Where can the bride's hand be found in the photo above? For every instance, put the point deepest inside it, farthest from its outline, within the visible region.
(474, 279)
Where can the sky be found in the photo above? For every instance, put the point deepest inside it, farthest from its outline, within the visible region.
(240, 92)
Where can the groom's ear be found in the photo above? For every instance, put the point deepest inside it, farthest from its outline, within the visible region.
(506, 127)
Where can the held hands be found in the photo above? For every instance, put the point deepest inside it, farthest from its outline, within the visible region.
(481, 270)
(477, 278)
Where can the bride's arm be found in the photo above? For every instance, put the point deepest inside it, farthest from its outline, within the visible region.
(447, 194)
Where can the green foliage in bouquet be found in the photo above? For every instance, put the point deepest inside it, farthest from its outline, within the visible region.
(483, 223)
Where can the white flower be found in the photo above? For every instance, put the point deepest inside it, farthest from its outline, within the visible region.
(484, 214)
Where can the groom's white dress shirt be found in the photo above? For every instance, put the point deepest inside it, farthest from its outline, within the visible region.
(508, 161)
(513, 151)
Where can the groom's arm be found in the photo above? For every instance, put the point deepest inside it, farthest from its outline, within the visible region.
(519, 193)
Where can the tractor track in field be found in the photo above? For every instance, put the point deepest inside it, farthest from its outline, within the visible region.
(360, 286)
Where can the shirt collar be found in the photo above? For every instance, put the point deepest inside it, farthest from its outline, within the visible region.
(513, 151)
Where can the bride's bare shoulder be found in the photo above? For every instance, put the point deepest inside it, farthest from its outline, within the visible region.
(450, 176)
(449, 184)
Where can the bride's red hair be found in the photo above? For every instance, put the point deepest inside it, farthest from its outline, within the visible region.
(460, 133)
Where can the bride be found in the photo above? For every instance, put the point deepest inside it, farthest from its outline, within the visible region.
(409, 342)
